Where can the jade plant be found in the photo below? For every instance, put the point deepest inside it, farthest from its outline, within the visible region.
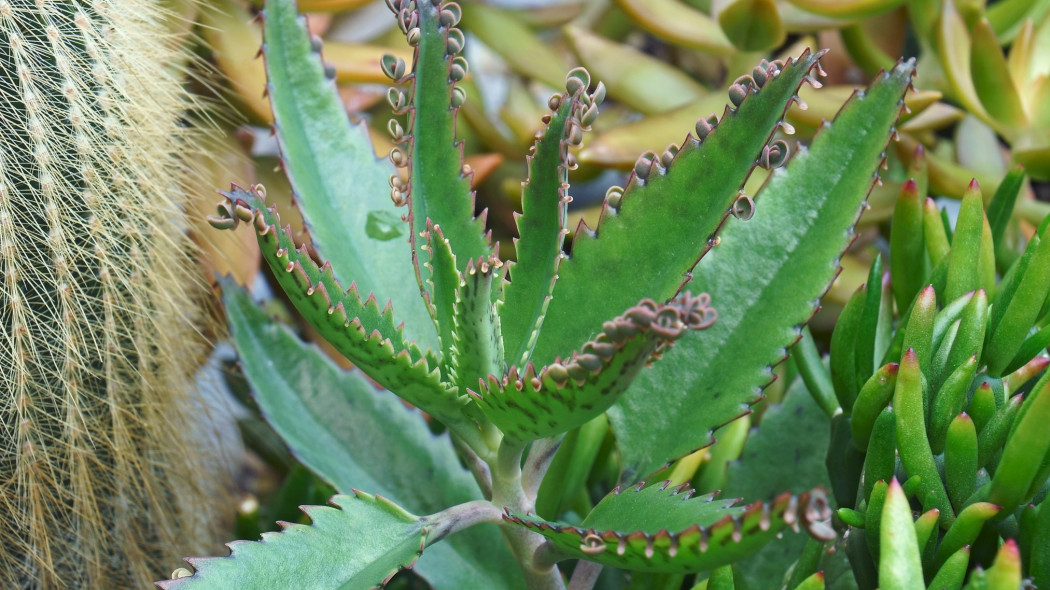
(951, 398)
(659, 325)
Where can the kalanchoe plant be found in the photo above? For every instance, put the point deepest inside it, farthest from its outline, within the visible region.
(511, 357)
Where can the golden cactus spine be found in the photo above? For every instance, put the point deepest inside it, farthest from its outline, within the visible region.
(99, 479)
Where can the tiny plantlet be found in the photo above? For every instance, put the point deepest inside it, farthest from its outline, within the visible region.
(661, 324)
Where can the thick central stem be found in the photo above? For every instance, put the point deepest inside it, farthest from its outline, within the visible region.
(507, 492)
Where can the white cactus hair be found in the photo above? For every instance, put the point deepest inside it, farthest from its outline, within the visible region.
(101, 476)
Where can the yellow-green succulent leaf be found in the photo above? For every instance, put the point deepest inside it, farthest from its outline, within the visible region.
(506, 34)
(634, 78)
(846, 9)
(678, 23)
(994, 85)
(753, 25)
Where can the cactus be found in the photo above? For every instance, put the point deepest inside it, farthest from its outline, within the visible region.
(99, 343)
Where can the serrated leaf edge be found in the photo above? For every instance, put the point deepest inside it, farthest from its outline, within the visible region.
(201, 564)
(808, 511)
(266, 223)
(661, 323)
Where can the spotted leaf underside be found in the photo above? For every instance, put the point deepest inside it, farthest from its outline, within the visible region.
(651, 235)
(358, 329)
(567, 393)
(358, 545)
(665, 529)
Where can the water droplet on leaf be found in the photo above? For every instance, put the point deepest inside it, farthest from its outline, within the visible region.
(384, 225)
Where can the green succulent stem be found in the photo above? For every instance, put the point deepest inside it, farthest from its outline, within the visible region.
(585, 575)
(460, 517)
(538, 461)
(508, 492)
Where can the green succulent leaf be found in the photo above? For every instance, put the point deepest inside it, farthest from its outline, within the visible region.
(340, 186)
(567, 393)
(665, 220)
(960, 460)
(965, 529)
(441, 286)
(900, 565)
(356, 328)
(872, 335)
(541, 225)
(842, 363)
(357, 545)
(813, 372)
(1002, 204)
(953, 573)
(880, 461)
(354, 436)
(439, 191)
(661, 528)
(1040, 545)
(874, 396)
(907, 248)
(1025, 452)
(774, 460)
(769, 292)
(963, 273)
(478, 346)
(1018, 304)
(912, 439)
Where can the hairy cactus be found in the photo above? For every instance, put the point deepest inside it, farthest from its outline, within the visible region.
(99, 343)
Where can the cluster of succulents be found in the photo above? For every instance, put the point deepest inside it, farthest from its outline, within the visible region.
(532, 384)
(564, 364)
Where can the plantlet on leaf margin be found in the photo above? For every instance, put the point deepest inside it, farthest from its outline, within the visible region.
(525, 352)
